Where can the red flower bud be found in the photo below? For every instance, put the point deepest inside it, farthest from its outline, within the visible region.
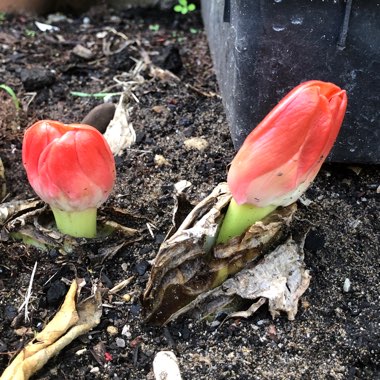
(283, 154)
(70, 166)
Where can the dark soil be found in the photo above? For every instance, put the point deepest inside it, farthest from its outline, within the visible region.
(335, 335)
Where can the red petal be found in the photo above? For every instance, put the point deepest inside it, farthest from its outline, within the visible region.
(36, 138)
(95, 158)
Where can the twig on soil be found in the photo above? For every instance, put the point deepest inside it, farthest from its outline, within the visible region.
(150, 227)
(107, 45)
(209, 94)
(139, 150)
(121, 285)
(28, 294)
(27, 100)
(133, 77)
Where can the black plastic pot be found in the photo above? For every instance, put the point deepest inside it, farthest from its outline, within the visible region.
(263, 48)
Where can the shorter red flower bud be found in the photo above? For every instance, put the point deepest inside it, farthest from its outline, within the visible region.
(70, 167)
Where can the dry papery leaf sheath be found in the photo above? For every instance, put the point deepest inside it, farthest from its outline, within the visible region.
(188, 265)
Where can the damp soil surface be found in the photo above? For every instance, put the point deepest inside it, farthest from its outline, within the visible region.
(336, 333)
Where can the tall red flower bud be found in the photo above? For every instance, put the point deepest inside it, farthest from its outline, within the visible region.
(283, 154)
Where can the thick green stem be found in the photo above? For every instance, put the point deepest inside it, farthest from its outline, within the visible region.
(239, 218)
(76, 223)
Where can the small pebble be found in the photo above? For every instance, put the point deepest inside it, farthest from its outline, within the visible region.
(56, 17)
(185, 122)
(101, 35)
(261, 322)
(189, 131)
(82, 52)
(214, 324)
(314, 241)
(346, 285)
(95, 370)
(53, 253)
(3, 346)
(112, 330)
(56, 293)
(135, 342)
(35, 78)
(126, 297)
(159, 238)
(126, 331)
(141, 267)
(115, 19)
(120, 342)
(10, 312)
(39, 326)
(159, 109)
(197, 143)
(160, 160)
(135, 310)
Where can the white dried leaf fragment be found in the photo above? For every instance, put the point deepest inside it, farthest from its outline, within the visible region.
(165, 366)
(280, 278)
(10, 209)
(181, 186)
(120, 133)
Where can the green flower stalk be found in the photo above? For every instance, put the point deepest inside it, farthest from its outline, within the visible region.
(70, 167)
(283, 154)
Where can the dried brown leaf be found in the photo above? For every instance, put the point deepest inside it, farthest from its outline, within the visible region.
(69, 323)
(189, 264)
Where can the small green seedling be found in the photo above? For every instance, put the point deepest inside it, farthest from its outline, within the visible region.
(12, 94)
(184, 7)
(30, 33)
(2, 17)
(154, 27)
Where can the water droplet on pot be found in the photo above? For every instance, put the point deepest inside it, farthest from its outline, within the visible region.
(278, 27)
(296, 20)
